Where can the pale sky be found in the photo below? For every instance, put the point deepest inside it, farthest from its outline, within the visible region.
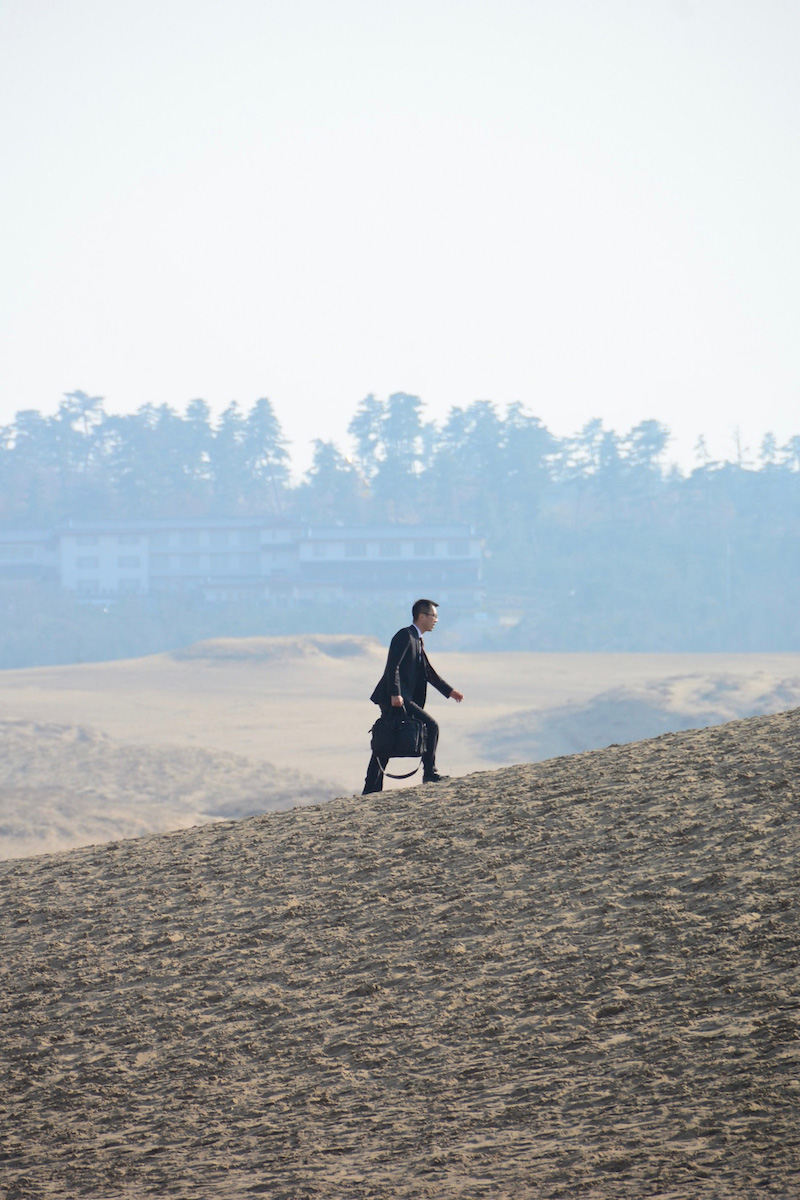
(587, 206)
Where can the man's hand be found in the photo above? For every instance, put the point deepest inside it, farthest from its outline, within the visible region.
(457, 696)
(397, 701)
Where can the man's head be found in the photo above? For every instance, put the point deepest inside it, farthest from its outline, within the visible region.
(424, 614)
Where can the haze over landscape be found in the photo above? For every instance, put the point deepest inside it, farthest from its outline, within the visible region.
(585, 208)
(229, 235)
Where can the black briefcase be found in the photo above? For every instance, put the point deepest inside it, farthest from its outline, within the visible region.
(398, 737)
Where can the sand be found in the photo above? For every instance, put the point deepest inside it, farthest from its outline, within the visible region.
(576, 978)
(65, 785)
(241, 718)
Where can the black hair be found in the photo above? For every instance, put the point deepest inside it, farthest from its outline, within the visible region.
(423, 606)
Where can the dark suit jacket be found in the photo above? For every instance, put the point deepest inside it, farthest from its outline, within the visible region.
(408, 671)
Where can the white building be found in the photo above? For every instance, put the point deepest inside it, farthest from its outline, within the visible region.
(276, 561)
(98, 561)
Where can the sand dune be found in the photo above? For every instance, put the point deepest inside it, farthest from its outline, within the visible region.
(629, 714)
(277, 649)
(572, 978)
(64, 786)
(237, 715)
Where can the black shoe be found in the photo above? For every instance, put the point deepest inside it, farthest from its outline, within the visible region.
(434, 777)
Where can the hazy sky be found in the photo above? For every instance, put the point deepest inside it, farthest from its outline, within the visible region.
(588, 206)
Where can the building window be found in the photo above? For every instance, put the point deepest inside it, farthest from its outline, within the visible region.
(389, 549)
(129, 560)
(423, 549)
(159, 563)
(129, 585)
(190, 537)
(87, 562)
(160, 540)
(8, 553)
(219, 537)
(88, 587)
(356, 550)
(458, 549)
(190, 563)
(128, 539)
(86, 539)
(319, 549)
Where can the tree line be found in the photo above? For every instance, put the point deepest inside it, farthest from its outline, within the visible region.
(592, 542)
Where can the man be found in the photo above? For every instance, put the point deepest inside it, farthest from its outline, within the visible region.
(404, 684)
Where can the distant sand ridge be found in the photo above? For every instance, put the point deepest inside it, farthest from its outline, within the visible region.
(576, 977)
(629, 714)
(100, 751)
(65, 785)
(276, 649)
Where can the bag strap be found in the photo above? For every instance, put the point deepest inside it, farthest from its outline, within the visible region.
(389, 774)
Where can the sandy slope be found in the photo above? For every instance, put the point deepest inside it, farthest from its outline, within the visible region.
(574, 978)
(275, 705)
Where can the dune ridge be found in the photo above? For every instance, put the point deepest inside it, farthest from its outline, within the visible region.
(571, 978)
(626, 714)
(259, 650)
(66, 785)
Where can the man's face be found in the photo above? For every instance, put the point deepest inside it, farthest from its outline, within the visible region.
(427, 620)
